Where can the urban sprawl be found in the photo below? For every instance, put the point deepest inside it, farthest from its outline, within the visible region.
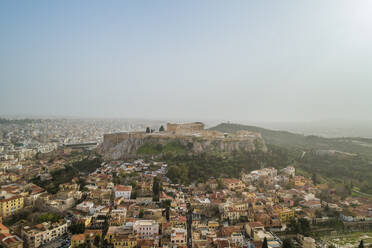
(57, 191)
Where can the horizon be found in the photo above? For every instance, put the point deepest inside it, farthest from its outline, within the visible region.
(320, 128)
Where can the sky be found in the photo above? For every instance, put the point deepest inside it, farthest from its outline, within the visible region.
(273, 61)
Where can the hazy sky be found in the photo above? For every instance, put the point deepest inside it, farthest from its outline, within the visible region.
(233, 60)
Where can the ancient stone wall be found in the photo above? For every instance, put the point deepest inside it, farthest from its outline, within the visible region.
(185, 128)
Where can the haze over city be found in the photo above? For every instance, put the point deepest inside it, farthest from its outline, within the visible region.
(257, 61)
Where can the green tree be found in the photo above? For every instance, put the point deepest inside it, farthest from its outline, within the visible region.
(133, 194)
(46, 217)
(167, 213)
(141, 213)
(161, 129)
(148, 130)
(156, 189)
(97, 240)
(77, 228)
(287, 243)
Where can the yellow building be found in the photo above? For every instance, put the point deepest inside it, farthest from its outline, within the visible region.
(11, 205)
(285, 214)
(233, 184)
(77, 239)
(124, 241)
(121, 238)
(213, 225)
(299, 181)
(86, 238)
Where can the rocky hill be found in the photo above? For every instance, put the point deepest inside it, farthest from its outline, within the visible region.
(131, 144)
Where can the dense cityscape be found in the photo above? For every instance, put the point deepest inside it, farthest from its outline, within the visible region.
(58, 191)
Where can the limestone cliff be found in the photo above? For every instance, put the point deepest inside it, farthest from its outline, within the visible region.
(126, 145)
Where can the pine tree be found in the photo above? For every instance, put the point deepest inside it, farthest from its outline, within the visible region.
(167, 212)
(264, 244)
(148, 130)
(161, 129)
(156, 189)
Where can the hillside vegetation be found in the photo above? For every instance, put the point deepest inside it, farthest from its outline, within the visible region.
(187, 169)
(352, 166)
(361, 146)
(66, 174)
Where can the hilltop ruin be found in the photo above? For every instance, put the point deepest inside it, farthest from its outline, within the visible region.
(192, 135)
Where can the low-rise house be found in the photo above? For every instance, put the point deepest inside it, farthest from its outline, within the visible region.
(178, 237)
(77, 239)
(88, 237)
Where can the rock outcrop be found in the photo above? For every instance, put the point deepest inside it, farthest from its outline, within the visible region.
(125, 145)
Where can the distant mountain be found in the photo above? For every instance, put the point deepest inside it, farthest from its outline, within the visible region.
(362, 146)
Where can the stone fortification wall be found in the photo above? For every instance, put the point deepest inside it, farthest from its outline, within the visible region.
(185, 128)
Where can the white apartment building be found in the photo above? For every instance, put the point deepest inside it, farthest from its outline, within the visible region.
(123, 191)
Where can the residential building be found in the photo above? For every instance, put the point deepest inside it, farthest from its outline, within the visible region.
(178, 237)
(233, 184)
(121, 237)
(11, 205)
(8, 240)
(123, 191)
(146, 229)
(40, 234)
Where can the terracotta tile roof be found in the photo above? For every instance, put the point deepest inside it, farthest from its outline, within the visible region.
(77, 237)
